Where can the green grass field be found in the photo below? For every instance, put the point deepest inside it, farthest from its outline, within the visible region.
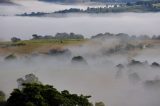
(41, 45)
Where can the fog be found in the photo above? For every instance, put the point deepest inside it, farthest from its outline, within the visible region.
(130, 23)
(24, 27)
(99, 77)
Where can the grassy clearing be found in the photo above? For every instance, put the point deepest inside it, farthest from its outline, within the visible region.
(32, 46)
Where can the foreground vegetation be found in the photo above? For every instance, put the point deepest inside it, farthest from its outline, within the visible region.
(31, 92)
(45, 95)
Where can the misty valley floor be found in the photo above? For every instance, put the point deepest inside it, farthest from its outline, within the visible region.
(100, 75)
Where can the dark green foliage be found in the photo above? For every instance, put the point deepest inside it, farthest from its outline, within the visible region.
(33, 14)
(35, 36)
(68, 36)
(6, 1)
(10, 57)
(145, 3)
(2, 96)
(139, 6)
(135, 62)
(120, 66)
(18, 44)
(71, 10)
(129, 7)
(45, 95)
(129, 4)
(59, 52)
(53, 0)
(79, 59)
(99, 104)
(15, 39)
(155, 64)
(3, 103)
(60, 36)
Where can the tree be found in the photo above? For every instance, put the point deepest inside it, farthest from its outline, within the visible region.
(10, 57)
(15, 39)
(35, 36)
(37, 94)
(2, 96)
(29, 78)
(129, 4)
(99, 104)
(78, 59)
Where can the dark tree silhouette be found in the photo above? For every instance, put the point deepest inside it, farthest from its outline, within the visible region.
(37, 94)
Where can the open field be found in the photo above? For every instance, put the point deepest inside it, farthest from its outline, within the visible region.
(26, 47)
(34, 46)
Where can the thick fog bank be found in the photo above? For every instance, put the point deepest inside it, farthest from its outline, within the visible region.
(114, 79)
(98, 79)
(130, 23)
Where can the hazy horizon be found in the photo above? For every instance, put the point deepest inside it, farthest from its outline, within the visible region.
(130, 23)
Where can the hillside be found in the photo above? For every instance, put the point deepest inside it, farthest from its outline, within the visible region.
(6, 2)
(98, 1)
(60, 44)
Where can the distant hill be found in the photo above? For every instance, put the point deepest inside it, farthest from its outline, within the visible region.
(6, 2)
(114, 1)
(66, 1)
(81, 1)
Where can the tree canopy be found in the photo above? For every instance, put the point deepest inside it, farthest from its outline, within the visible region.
(34, 94)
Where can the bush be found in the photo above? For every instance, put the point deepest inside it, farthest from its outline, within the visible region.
(10, 57)
(15, 39)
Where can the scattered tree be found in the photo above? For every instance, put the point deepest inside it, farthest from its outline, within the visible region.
(99, 104)
(79, 59)
(10, 57)
(15, 39)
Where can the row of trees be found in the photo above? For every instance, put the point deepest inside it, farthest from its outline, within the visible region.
(71, 10)
(123, 35)
(33, 14)
(129, 7)
(59, 36)
(80, 37)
